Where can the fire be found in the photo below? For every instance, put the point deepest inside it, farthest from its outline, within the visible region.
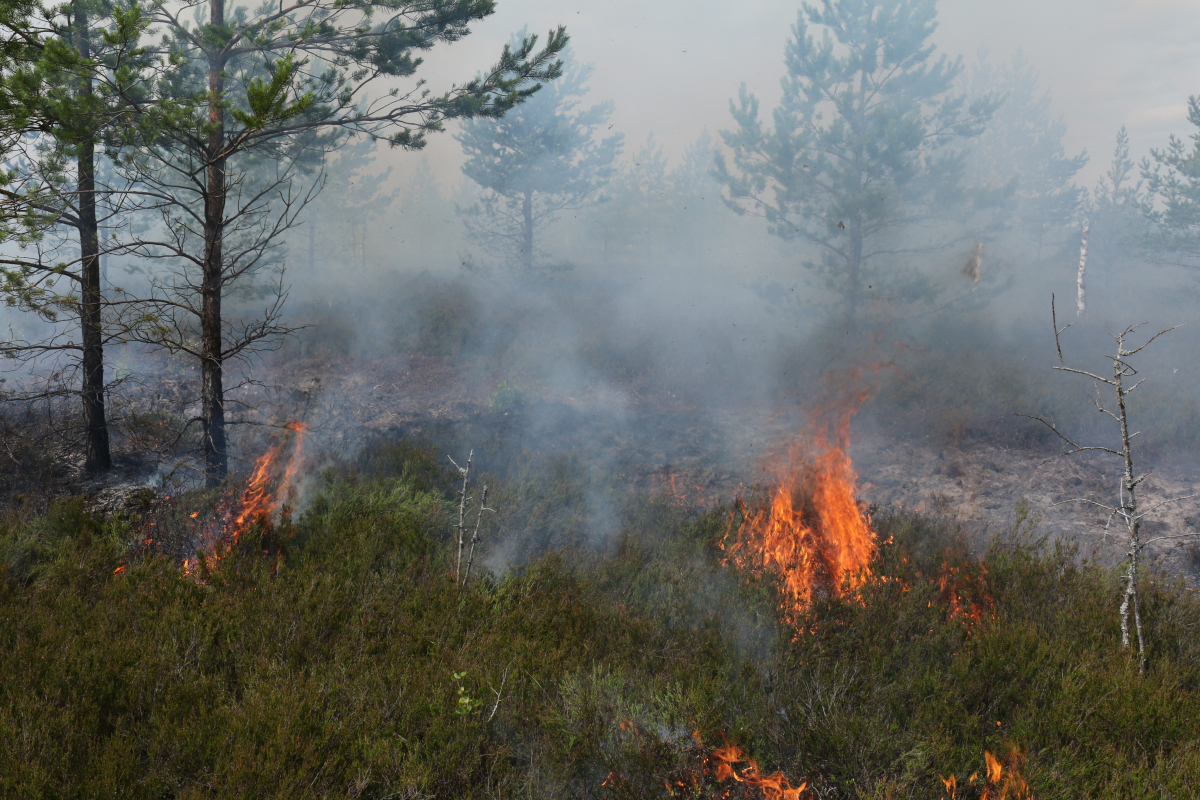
(962, 589)
(814, 534)
(1002, 782)
(728, 765)
(258, 500)
(725, 766)
(263, 498)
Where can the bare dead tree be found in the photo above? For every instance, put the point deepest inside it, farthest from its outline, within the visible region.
(475, 534)
(1127, 508)
(1079, 284)
(463, 499)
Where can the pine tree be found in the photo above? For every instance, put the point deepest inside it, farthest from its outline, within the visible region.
(353, 198)
(534, 163)
(1172, 180)
(273, 84)
(657, 213)
(74, 73)
(1115, 211)
(862, 143)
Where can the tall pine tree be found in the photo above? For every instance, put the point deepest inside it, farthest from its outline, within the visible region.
(861, 144)
(1171, 176)
(269, 83)
(76, 75)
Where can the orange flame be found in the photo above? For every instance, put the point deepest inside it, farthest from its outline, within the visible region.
(1003, 781)
(774, 786)
(963, 591)
(263, 498)
(814, 536)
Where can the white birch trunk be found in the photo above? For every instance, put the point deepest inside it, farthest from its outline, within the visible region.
(1082, 269)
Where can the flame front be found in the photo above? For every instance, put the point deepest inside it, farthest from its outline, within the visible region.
(814, 535)
(263, 499)
(1003, 781)
(258, 501)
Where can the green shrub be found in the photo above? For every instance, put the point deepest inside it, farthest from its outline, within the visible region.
(355, 666)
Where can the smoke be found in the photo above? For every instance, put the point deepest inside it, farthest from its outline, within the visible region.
(667, 336)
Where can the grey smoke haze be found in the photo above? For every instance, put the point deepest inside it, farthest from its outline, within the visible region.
(671, 67)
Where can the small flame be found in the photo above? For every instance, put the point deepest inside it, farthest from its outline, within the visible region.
(1002, 782)
(814, 535)
(726, 761)
(263, 498)
(962, 589)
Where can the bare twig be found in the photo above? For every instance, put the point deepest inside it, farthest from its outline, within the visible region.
(498, 692)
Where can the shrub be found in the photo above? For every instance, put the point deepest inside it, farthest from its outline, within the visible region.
(358, 668)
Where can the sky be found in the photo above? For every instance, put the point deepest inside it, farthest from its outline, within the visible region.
(671, 68)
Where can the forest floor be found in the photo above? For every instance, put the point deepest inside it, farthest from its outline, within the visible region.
(704, 455)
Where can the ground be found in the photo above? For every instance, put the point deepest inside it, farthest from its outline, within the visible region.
(701, 454)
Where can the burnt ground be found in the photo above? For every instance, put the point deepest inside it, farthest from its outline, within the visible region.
(652, 439)
(656, 440)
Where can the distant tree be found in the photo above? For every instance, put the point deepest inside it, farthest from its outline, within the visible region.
(539, 160)
(264, 85)
(1117, 224)
(656, 211)
(1172, 203)
(1020, 158)
(861, 145)
(353, 198)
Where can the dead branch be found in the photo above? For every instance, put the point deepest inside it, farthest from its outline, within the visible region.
(499, 691)
(475, 534)
(462, 510)
(1127, 508)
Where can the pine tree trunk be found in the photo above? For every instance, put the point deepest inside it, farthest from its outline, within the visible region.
(97, 457)
(212, 391)
(854, 273)
(527, 219)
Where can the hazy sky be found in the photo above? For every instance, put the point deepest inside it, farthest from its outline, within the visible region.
(671, 67)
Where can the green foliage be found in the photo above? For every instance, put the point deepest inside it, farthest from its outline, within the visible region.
(509, 396)
(359, 668)
(268, 100)
(1172, 177)
(863, 143)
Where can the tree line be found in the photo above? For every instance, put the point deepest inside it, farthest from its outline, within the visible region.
(192, 138)
(881, 153)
